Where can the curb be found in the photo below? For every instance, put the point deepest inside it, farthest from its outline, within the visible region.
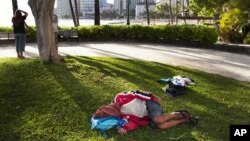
(232, 48)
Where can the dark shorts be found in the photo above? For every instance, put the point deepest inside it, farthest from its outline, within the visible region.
(154, 109)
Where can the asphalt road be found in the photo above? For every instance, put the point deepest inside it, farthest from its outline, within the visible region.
(232, 65)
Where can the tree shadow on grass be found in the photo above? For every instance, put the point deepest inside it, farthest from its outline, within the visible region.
(66, 96)
(46, 104)
(216, 115)
(20, 94)
(132, 72)
(94, 95)
(141, 73)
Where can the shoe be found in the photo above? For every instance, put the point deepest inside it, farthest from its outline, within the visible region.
(21, 57)
(184, 113)
(193, 120)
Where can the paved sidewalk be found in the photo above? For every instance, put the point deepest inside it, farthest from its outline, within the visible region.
(232, 65)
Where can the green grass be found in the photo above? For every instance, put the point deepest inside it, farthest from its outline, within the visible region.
(50, 102)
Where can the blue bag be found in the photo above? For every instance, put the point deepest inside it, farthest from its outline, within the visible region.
(103, 124)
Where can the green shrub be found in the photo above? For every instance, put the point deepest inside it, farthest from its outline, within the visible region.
(31, 32)
(119, 31)
(202, 34)
(247, 39)
(84, 31)
(207, 34)
(230, 24)
(6, 29)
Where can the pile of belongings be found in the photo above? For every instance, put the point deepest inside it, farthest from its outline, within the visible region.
(177, 85)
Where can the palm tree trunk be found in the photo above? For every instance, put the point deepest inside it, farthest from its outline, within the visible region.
(77, 13)
(147, 12)
(128, 15)
(97, 12)
(170, 11)
(176, 11)
(72, 12)
(14, 6)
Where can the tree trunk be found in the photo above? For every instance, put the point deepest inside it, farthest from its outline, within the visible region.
(72, 12)
(128, 14)
(176, 11)
(42, 11)
(14, 6)
(171, 12)
(147, 12)
(77, 12)
(97, 12)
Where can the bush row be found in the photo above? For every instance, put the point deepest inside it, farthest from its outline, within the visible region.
(202, 34)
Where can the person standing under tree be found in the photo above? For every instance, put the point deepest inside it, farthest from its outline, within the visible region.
(19, 30)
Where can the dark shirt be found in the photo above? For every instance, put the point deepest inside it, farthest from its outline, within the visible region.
(20, 27)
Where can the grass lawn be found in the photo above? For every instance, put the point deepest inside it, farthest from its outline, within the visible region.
(50, 102)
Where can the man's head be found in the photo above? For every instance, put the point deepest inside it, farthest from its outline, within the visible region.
(112, 109)
(18, 13)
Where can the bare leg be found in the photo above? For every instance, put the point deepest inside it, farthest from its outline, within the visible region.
(167, 117)
(21, 54)
(172, 123)
(18, 54)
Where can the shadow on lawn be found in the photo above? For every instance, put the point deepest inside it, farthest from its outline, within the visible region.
(144, 75)
(214, 121)
(20, 91)
(36, 92)
(75, 81)
(216, 115)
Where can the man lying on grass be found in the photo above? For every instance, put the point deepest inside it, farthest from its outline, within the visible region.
(143, 108)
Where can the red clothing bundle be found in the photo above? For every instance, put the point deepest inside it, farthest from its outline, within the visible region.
(133, 106)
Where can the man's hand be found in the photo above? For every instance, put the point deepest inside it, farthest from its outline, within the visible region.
(122, 131)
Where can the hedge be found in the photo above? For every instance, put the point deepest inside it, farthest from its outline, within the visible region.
(193, 33)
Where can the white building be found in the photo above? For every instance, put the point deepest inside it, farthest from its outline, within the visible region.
(141, 8)
(63, 8)
(118, 6)
(174, 2)
(85, 7)
(121, 5)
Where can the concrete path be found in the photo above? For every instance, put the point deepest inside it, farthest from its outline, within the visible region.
(236, 66)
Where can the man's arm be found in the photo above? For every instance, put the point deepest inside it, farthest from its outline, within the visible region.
(25, 13)
(128, 127)
(156, 99)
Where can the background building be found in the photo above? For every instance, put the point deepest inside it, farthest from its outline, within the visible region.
(140, 10)
(121, 5)
(63, 9)
(86, 8)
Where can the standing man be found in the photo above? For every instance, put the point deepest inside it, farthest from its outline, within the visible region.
(19, 30)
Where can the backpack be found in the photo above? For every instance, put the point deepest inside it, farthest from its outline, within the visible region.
(103, 124)
(106, 117)
(177, 85)
(175, 90)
